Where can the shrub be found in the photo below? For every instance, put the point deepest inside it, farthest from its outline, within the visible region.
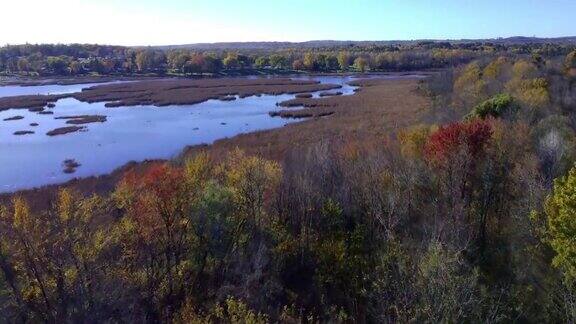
(497, 106)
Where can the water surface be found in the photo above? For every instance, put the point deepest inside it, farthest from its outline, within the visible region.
(16, 90)
(129, 134)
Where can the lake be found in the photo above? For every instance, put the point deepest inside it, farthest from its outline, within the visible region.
(129, 134)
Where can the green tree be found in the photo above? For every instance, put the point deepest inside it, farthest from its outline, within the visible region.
(57, 64)
(278, 61)
(231, 61)
(497, 106)
(561, 212)
(261, 62)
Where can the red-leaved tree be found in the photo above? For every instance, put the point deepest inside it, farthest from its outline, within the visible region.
(455, 152)
(469, 138)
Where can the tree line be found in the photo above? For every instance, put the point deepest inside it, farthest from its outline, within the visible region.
(76, 59)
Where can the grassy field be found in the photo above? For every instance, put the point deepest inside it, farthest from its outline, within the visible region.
(379, 108)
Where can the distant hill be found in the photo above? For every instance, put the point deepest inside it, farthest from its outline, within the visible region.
(337, 43)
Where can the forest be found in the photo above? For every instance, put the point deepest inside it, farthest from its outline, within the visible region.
(467, 216)
(79, 59)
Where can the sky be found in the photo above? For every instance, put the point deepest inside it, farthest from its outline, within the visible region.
(171, 22)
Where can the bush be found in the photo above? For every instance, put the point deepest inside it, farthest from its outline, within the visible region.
(498, 106)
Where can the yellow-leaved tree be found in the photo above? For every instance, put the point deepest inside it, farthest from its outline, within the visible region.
(561, 212)
(528, 86)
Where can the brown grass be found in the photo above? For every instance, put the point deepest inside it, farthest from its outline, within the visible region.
(185, 92)
(330, 94)
(382, 107)
(34, 102)
(169, 92)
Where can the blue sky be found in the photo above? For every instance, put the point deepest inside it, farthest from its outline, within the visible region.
(161, 22)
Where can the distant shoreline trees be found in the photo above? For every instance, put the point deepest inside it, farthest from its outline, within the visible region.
(77, 59)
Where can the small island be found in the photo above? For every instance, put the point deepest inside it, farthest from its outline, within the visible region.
(25, 132)
(65, 130)
(70, 165)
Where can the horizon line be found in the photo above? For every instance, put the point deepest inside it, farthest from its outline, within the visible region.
(307, 41)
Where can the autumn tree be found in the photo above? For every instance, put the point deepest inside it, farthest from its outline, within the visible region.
(57, 64)
(495, 74)
(261, 62)
(455, 151)
(361, 64)
(528, 85)
(561, 213)
(156, 238)
(253, 182)
(23, 65)
(177, 60)
(144, 60)
(570, 63)
(343, 60)
(469, 87)
(231, 61)
(448, 289)
(278, 61)
(413, 140)
(448, 141)
(309, 61)
(75, 67)
(54, 262)
(298, 65)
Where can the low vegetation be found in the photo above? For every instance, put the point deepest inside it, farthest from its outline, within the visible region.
(25, 132)
(83, 119)
(184, 92)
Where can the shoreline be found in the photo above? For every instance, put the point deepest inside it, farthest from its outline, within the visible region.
(24, 81)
